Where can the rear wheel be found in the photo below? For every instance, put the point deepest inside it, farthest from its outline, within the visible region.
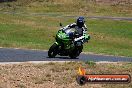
(74, 55)
(53, 51)
(76, 52)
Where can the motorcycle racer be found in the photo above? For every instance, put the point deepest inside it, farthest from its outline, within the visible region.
(70, 39)
(80, 27)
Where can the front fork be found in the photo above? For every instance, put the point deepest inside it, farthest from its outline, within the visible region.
(60, 49)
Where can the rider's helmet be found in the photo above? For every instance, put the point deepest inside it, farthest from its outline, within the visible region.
(80, 21)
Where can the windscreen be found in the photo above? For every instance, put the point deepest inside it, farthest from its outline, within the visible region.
(69, 31)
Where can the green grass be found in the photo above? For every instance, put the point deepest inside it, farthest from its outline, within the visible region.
(36, 32)
(113, 34)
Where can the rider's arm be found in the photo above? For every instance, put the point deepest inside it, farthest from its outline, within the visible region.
(85, 29)
(85, 34)
(69, 26)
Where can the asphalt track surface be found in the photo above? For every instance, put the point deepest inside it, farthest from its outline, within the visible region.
(22, 55)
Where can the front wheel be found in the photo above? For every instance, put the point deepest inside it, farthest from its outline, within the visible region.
(53, 51)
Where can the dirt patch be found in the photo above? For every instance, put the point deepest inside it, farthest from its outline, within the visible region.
(58, 75)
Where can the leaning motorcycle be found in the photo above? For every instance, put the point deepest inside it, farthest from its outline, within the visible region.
(68, 43)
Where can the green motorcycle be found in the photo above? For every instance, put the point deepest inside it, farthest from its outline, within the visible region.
(68, 43)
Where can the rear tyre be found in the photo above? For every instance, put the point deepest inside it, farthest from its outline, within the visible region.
(76, 52)
(53, 51)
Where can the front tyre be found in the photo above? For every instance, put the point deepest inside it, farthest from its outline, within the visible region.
(53, 51)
